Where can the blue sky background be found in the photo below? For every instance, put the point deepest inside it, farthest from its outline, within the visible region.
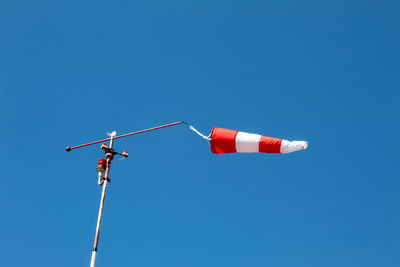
(322, 71)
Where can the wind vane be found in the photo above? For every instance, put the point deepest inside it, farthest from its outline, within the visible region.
(221, 141)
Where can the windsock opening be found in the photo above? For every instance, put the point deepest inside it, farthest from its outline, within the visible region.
(223, 141)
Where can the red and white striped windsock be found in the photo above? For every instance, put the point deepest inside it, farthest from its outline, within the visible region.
(230, 141)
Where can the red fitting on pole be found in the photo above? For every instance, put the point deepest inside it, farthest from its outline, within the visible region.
(101, 165)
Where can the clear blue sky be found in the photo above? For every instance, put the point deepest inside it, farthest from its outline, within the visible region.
(323, 71)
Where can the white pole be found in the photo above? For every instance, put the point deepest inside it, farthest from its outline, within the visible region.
(109, 157)
(96, 239)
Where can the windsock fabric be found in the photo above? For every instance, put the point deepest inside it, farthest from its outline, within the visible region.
(230, 141)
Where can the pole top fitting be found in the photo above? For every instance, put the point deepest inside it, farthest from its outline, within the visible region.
(112, 134)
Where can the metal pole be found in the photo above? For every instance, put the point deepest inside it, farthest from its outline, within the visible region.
(68, 148)
(109, 157)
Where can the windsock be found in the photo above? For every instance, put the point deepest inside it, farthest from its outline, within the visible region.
(229, 141)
